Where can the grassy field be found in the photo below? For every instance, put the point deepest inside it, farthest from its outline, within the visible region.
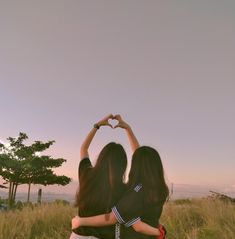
(185, 219)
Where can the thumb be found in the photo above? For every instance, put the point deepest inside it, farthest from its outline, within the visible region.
(109, 125)
(117, 117)
(117, 126)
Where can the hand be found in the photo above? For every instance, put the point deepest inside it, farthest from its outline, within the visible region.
(121, 123)
(163, 232)
(75, 222)
(105, 121)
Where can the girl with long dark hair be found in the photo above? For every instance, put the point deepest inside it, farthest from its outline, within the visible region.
(101, 186)
(147, 192)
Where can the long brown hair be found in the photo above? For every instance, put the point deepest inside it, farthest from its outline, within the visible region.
(103, 186)
(147, 169)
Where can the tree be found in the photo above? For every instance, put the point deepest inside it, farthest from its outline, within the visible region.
(23, 164)
(10, 164)
(1, 186)
(38, 170)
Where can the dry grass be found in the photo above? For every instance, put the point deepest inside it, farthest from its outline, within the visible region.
(48, 221)
(196, 219)
(199, 219)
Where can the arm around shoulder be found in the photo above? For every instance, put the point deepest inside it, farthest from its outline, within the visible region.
(95, 221)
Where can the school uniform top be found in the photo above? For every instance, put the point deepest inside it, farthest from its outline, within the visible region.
(107, 232)
(132, 208)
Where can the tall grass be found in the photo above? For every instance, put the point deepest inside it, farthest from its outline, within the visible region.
(47, 221)
(190, 219)
(199, 219)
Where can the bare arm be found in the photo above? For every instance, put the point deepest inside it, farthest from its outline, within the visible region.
(110, 219)
(86, 143)
(84, 148)
(95, 221)
(131, 137)
(146, 229)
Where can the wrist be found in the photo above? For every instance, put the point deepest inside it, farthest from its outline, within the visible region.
(127, 127)
(96, 125)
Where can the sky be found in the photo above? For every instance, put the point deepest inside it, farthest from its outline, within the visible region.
(166, 66)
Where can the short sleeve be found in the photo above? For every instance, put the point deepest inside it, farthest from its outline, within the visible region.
(84, 166)
(129, 208)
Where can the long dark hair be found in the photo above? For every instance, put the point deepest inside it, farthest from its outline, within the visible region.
(147, 169)
(103, 186)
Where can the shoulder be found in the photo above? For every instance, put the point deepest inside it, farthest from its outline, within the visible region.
(84, 166)
(133, 192)
(85, 160)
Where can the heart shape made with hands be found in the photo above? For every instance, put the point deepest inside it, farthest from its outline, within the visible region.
(113, 122)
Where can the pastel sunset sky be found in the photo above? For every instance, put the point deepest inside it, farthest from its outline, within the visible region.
(168, 67)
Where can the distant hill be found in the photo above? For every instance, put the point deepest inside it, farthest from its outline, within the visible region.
(68, 192)
(49, 193)
(46, 197)
(198, 191)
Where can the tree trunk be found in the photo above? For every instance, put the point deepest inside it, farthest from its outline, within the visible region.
(40, 195)
(28, 192)
(14, 193)
(10, 194)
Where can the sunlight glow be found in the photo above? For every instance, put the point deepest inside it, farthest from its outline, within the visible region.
(38, 154)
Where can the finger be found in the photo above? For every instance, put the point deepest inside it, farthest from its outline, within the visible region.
(118, 117)
(110, 116)
(106, 124)
(107, 117)
(117, 126)
(110, 125)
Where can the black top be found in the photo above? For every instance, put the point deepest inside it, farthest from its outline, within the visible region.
(108, 232)
(132, 208)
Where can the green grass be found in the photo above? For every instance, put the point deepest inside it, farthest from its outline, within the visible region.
(190, 219)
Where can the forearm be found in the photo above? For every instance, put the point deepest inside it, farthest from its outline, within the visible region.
(146, 229)
(98, 221)
(90, 136)
(86, 143)
(132, 139)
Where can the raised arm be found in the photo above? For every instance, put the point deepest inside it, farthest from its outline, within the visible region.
(110, 219)
(86, 143)
(131, 137)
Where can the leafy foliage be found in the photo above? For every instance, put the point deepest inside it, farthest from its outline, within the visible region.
(24, 164)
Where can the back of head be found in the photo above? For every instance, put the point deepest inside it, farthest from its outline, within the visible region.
(147, 169)
(111, 165)
(103, 186)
